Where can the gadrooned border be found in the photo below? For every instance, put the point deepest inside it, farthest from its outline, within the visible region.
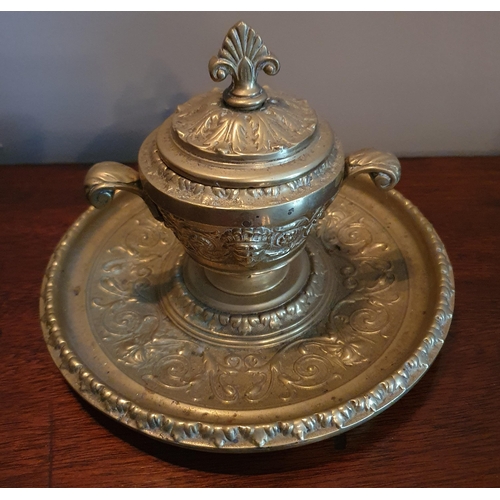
(247, 438)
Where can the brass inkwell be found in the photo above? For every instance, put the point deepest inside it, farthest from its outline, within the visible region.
(245, 290)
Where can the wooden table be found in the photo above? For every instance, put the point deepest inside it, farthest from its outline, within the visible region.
(442, 433)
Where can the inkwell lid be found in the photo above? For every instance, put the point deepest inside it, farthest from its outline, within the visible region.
(247, 135)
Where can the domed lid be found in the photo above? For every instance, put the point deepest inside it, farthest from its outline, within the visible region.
(246, 135)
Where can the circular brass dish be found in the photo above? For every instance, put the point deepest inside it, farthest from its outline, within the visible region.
(107, 326)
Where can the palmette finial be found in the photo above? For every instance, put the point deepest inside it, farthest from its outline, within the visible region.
(242, 56)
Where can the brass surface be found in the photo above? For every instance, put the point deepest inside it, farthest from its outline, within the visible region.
(260, 295)
(107, 327)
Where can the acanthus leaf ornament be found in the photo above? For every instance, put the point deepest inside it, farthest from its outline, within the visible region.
(242, 56)
(281, 124)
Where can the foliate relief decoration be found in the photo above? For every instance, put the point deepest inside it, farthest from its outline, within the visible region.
(320, 174)
(221, 326)
(127, 317)
(244, 246)
(329, 170)
(373, 306)
(283, 122)
(186, 431)
(405, 377)
(123, 301)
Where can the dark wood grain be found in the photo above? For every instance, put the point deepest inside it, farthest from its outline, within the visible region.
(444, 432)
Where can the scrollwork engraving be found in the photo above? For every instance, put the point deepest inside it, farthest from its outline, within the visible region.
(246, 246)
(167, 359)
(159, 344)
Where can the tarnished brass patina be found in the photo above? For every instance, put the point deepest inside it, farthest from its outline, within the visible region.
(245, 303)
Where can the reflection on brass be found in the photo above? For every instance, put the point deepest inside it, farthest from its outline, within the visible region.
(256, 294)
